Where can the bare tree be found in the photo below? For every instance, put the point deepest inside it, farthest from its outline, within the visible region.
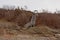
(9, 7)
(25, 7)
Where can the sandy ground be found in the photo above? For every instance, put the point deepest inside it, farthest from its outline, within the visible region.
(25, 37)
(25, 34)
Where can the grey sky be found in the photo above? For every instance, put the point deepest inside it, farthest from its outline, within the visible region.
(50, 5)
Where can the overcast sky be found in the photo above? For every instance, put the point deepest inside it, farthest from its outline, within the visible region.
(50, 5)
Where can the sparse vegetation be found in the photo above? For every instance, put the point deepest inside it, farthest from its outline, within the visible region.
(13, 21)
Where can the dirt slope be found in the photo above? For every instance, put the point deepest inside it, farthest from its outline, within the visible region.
(12, 25)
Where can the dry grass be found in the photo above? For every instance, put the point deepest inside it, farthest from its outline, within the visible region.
(12, 22)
